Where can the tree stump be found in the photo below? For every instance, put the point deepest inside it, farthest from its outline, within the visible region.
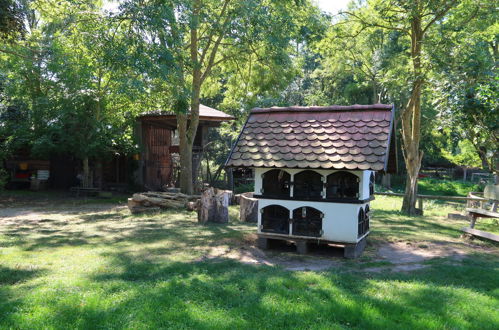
(248, 211)
(214, 206)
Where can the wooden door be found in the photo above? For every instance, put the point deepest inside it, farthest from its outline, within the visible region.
(157, 161)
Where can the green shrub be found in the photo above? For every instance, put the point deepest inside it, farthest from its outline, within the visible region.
(242, 188)
(430, 186)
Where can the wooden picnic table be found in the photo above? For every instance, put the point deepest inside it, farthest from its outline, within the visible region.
(491, 193)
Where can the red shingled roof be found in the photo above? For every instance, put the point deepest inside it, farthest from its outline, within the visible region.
(353, 137)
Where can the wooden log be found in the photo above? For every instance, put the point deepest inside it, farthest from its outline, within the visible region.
(139, 198)
(145, 200)
(166, 195)
(248, 211)
(191, 206)
(164, 200)
(131, 203)
(214, 206)
(142, 209)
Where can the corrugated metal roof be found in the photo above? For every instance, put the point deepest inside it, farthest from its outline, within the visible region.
(334, 137)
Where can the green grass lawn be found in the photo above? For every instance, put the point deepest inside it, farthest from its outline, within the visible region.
(432, 186)
(78, 267)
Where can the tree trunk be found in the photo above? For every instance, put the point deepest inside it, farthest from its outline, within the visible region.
(482, 153)
(214, 206)
(185, 150)
(410, 197)
(386, 180)
(86, 173)
(188, 123)
(248, 208)
(411, 122)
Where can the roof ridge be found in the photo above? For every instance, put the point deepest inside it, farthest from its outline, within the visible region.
(297, 108)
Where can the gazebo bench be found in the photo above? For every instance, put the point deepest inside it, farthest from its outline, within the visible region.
(86, 191)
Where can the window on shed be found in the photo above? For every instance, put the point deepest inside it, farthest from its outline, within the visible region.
(371, 185)
(307, 184)
(307, 221)
(342, 184)
(276, 183)
(275, 219)
(363, 221)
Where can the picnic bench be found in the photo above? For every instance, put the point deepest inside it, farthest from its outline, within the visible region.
(490, 193)
(85, 191)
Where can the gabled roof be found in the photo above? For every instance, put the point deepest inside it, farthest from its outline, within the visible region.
(357, 137)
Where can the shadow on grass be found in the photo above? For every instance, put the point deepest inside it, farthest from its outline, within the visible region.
(110, 228)
(133, 290)
(10, 276)
(191, 294)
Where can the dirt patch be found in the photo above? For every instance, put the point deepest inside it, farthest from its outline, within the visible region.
(408, 256)
(251, 255)
(401, 256)
(407, 252)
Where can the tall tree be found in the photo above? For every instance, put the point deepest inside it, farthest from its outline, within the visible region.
(13, 14)
(466, 66)
(63, 82)
(414, 19)
(185, 44)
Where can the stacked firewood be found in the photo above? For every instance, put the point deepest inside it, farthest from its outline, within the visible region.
(157, 200)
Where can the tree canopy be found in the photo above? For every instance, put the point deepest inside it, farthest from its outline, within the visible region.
(74, 76)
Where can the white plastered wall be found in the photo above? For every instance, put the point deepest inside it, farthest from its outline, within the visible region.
(340, 222)
(340, 219)
(363, 177)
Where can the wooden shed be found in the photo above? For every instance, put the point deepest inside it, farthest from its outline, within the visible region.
(156, 132)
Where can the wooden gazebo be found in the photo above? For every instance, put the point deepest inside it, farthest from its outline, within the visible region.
(159, 144)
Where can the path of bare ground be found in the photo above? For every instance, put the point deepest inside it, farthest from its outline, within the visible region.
(397, 256)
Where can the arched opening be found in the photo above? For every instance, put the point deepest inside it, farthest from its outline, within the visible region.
(275, 219)
(275, 183)
(363, 221)
(367, 217)
(307, 185)
(342, 184)
(371, 184)
(307, 221)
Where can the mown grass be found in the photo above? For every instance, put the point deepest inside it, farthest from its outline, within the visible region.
(439, 187)
(78, 268)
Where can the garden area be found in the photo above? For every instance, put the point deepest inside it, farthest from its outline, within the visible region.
(68, 263)
(175, 164)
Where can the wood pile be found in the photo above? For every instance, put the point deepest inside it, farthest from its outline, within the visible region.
(155, 200)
